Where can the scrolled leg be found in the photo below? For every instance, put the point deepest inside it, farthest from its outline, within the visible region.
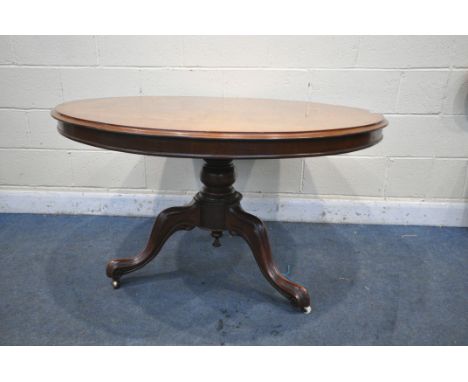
(168, 221)
(255, 234)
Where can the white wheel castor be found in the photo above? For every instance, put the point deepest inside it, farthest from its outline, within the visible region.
(307, 310)
(116, 284)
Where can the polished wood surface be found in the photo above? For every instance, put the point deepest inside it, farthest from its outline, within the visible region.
(218, 118)
(217, 128)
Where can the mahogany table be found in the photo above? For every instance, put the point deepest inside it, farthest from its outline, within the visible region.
(217, 130)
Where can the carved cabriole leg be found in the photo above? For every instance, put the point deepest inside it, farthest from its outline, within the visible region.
(168, 221)
(255, 234)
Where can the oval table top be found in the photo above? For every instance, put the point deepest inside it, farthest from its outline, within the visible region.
(218, 127)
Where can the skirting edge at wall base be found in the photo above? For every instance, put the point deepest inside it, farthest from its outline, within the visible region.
(279, 208)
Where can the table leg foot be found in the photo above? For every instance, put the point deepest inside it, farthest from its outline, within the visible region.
(254, 232)
(168, 221)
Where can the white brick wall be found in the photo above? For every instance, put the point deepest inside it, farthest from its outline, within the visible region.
(30, 88)
(377, 90)
(422, 92)
(97, 82)
(419, 82)
(405, 52)
(54, 50)
(457, 92)
(142, 51)
(173, 82)
(349, 176)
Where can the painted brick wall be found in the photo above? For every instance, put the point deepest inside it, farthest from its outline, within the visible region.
(420, 83)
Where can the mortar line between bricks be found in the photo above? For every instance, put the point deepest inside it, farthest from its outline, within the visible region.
(385, 183)
(395, 157)
(397, 98)
(24, 109)
(64, 188)
(329, 156)
(56, 149)
(465, 185)
(358, 51)
(28, 126)
(78, 188)
(245, 68)
(96, 50)
(443, 101)
(301, 186)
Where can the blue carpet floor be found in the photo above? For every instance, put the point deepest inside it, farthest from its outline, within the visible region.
(370, 285)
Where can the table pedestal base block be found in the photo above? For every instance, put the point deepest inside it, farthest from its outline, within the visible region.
(216, 208)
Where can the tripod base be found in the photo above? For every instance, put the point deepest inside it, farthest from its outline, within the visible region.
(216, 208)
